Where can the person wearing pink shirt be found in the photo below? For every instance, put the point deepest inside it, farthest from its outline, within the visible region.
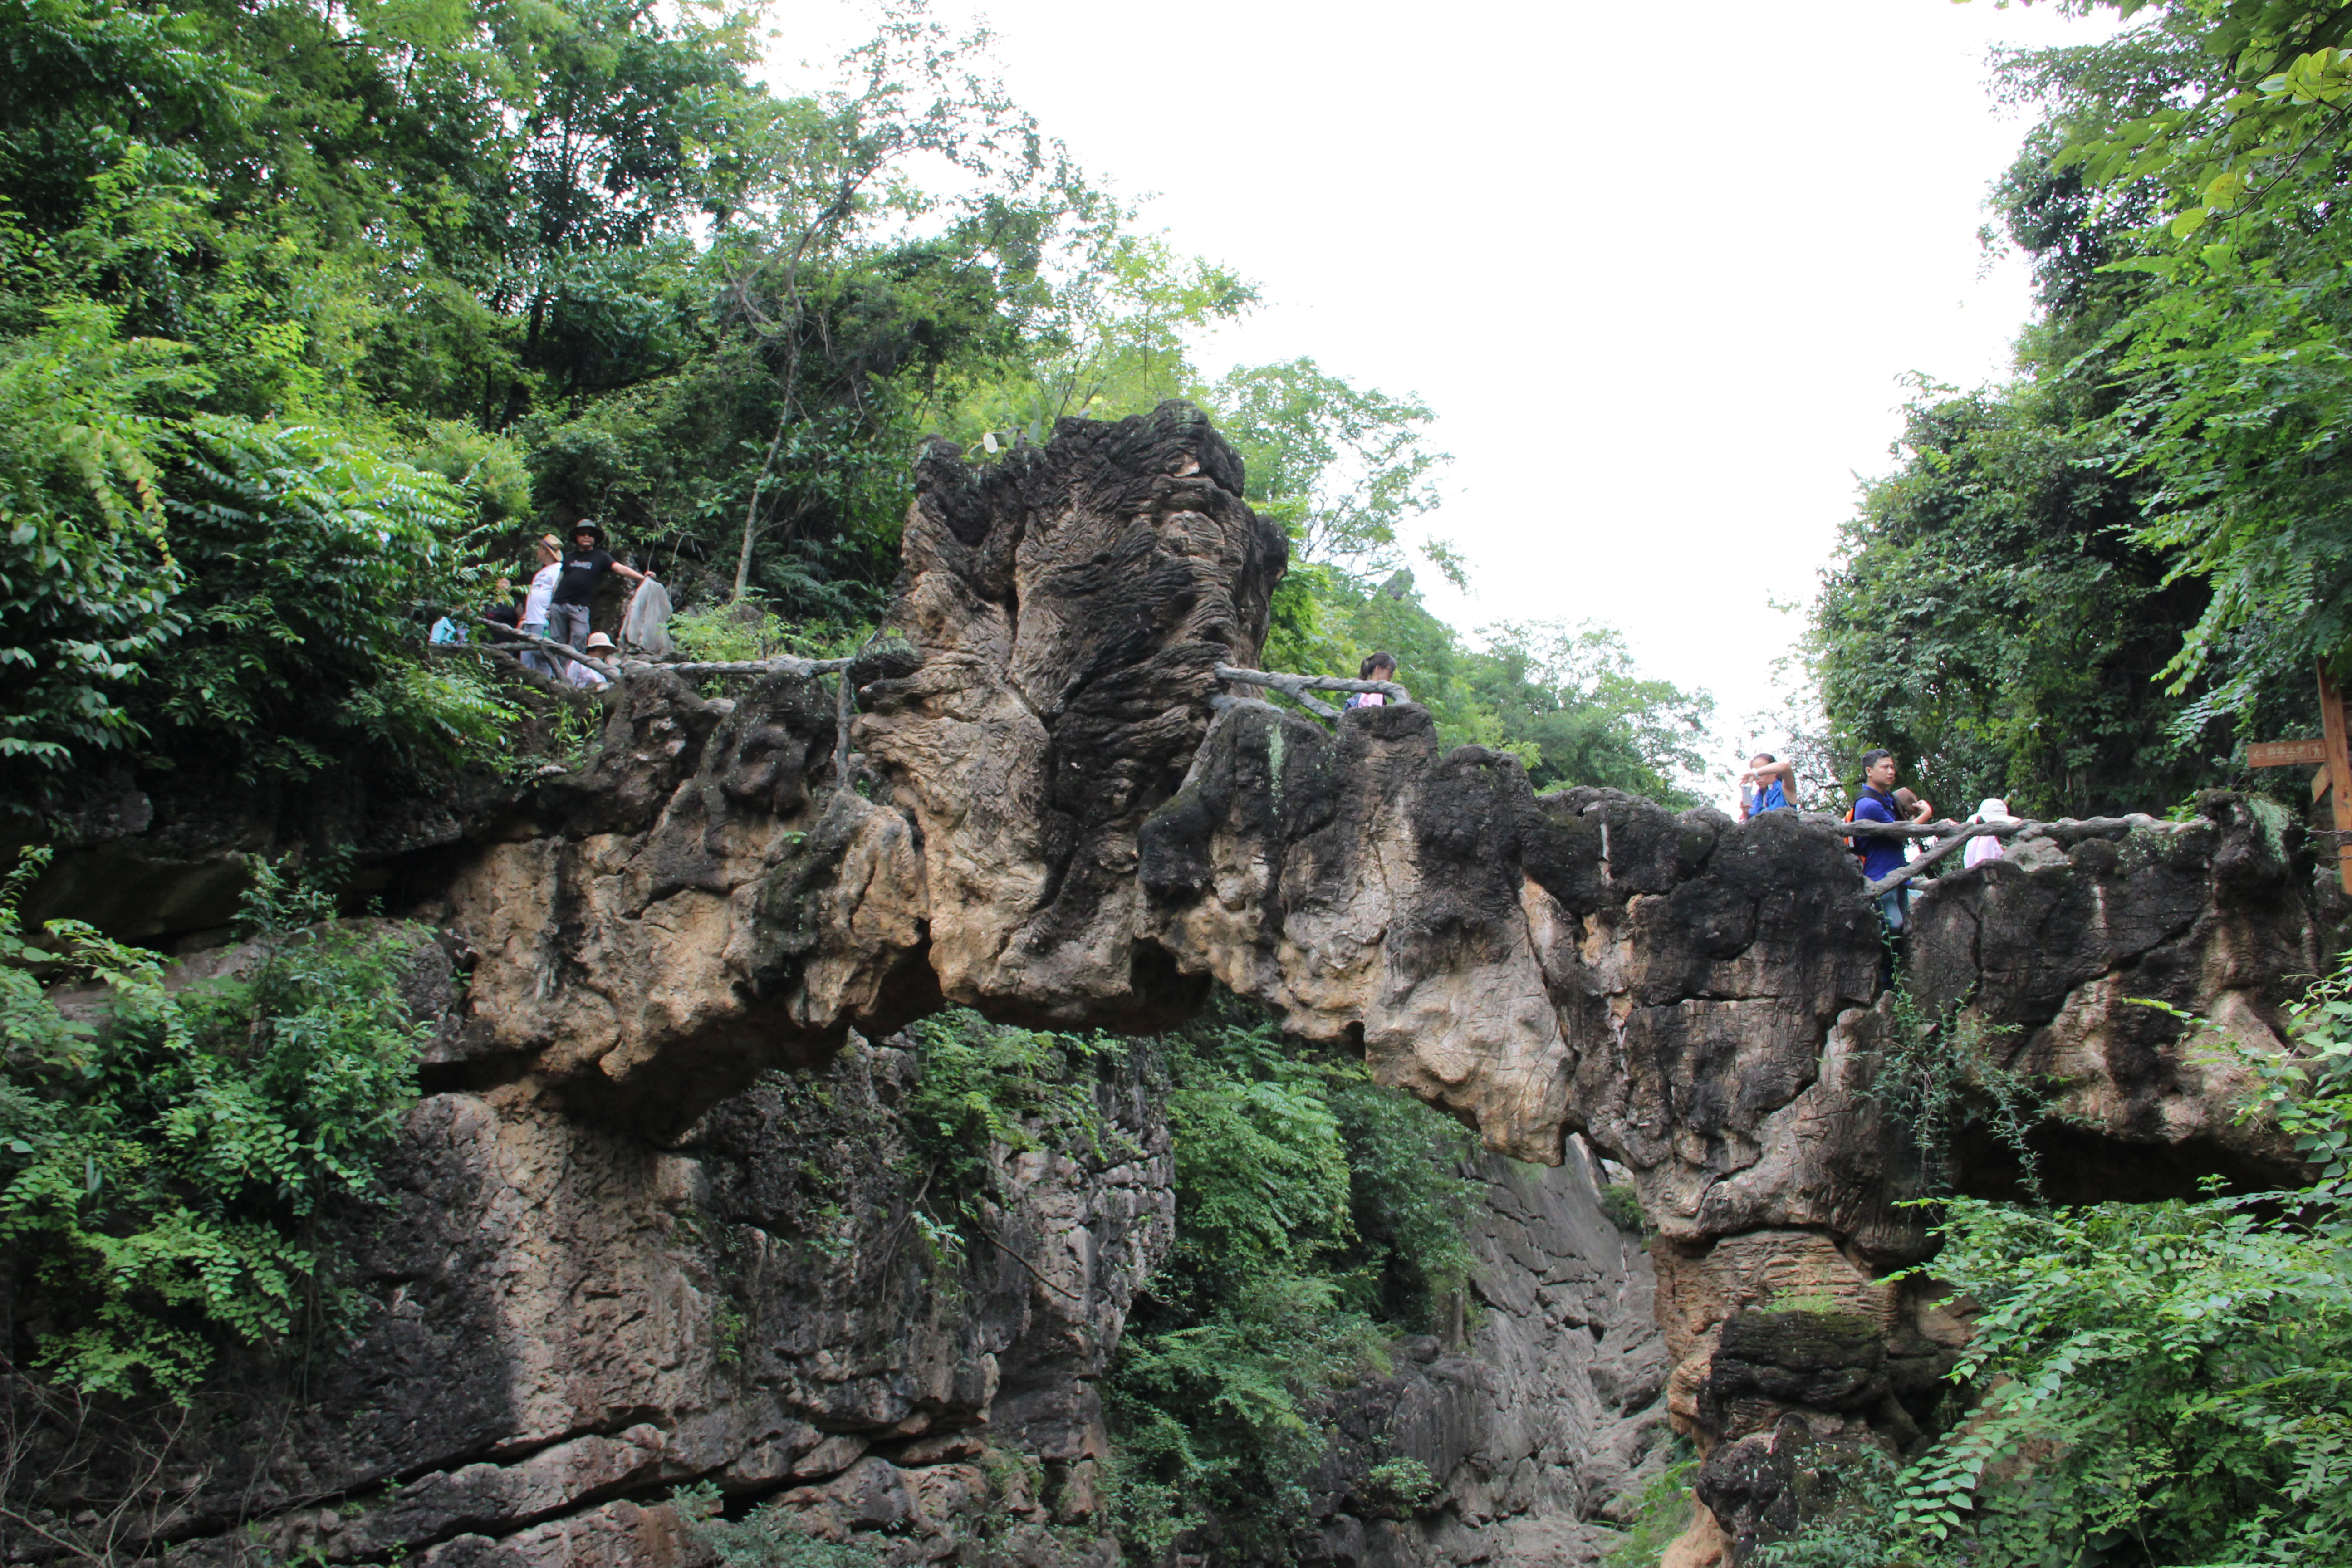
(1379, 667)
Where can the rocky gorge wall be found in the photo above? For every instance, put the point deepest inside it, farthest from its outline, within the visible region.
(562, 1325)
(1048, 807)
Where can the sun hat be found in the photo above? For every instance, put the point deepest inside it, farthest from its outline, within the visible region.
(549, 542)
(588, 526)
(1992, 810)
(598, 643)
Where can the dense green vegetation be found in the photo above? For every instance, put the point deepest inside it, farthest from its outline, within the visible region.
(1318, 1218)
(2163, 1384)
(1318, 1215)
(175, 1162)
(2084, 590)
(310, 317)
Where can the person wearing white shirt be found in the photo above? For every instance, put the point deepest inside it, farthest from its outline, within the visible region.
(579, 674)
(543, 592)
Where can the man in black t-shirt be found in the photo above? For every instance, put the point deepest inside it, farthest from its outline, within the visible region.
(584, 565)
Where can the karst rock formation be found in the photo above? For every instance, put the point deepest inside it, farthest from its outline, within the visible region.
(1055, 813)
(1040, 801)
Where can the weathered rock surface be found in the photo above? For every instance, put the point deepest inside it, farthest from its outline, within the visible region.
(1048, 810)
(1541, 1430)
(563, 1323)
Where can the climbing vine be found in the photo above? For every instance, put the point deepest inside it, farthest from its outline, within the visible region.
(1937, 1074)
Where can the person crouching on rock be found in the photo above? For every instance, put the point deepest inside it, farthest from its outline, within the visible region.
(1379, 667)
(579, 674)
(584, 565)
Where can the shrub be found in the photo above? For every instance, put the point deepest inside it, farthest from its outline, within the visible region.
(167, 1171)
(768, 1537)
(988, 1090)
(2166, 1383)
(1316, 1216)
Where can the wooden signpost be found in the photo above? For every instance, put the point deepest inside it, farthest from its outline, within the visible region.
(2334, 761)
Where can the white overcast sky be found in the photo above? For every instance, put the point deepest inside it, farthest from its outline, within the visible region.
(1660, 269)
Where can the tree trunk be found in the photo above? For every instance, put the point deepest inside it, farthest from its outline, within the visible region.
(751, 508)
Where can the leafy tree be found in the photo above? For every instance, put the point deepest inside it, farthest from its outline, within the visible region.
(1342, 469)
(2009, 608)
(2219, 126)
(1992, 620)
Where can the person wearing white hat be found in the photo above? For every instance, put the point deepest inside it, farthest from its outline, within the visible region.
(579, 674)
(1986, 848)
(542, 593)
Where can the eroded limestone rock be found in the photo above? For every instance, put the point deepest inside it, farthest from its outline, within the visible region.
(1048, 809)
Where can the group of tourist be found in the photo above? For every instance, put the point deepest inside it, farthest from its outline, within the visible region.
(555, 607)
(1765, 787)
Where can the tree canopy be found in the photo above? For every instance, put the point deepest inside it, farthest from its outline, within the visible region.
(310, 317)
(2086, 589)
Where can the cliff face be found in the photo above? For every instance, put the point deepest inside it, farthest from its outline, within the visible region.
(562, 1324)
(1543, 1424)
(1047, 807)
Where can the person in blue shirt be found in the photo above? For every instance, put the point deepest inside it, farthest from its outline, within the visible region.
(1772, 780)
(1876, 802)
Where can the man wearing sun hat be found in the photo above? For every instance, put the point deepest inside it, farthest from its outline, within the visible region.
(584, 565)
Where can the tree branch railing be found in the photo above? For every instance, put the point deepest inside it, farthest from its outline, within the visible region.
(1961, 833)
(613, 668)
(1904, 873)
(1297, 687)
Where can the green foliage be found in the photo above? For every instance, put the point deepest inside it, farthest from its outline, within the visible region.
(988, 1091)
(86, 570)
(1316, 1216)
(748, 630)
(2163, 1383)
(1858, 1520)
(1341, 468)
(1992, 620)
(167, 1167)
(2226, 120)
(1399, 1487)
(1939, 1073)
(300, 312)
(305, 554)
(1661, 1513)
(2079, 592)
(1622, 1204)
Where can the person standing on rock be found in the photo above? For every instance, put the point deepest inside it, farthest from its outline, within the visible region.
(536, 601)
(1379, 667)
(584, 565)
(1772, 780)
(1876, 802)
